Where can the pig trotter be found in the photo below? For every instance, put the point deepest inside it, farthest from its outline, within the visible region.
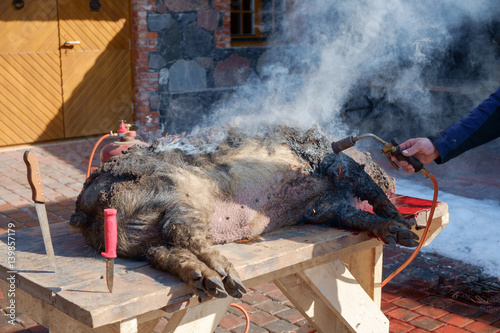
(214, 287)
(393, 232)
(341, 214)
(384, 208)
(234, 286)
(196, 274)
(232, 283)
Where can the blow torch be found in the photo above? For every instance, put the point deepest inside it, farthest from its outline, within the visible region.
(393, 149)
(390, 149)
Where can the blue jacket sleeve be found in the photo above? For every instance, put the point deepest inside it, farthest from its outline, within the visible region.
(478, 127)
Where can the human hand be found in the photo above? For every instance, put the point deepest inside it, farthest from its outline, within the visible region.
(420, 148)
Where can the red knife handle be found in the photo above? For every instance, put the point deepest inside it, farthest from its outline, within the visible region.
(110, 230)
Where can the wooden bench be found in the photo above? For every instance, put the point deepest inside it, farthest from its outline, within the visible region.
(333, 277)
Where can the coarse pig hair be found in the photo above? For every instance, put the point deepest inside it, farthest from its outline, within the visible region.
(172, 206)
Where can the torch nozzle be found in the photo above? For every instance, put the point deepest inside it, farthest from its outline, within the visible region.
(391, 149)
(350, 141)
(343, 144)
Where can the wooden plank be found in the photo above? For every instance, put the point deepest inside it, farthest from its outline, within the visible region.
(332, 300)
(148, 321)
(129, 326)
(80, 274)
(378, 275)
(154, 289)
(45, 314)
(437, 224)
(366, 267)
(344, 297)
(79, 290)
(288, 247)
(58, 321)
(203, 318)
(283, 269)
(310, 305)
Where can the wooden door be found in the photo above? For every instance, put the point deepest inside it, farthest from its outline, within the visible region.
(96, 73)
(30, 73)
(50, 91)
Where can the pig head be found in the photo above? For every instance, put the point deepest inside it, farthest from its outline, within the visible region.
(173, 206)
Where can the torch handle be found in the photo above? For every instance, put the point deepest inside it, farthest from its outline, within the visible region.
(417, 165)
(110, 233)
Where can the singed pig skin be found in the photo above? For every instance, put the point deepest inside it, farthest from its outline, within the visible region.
(173, 206)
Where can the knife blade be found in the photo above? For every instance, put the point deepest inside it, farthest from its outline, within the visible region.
(35, 181)
(110, 230)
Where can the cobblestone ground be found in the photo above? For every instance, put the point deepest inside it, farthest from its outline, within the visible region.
(434, 294)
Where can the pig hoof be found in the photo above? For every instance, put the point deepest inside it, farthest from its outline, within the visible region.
(234, 286)
(209, 287)
(404, 236)
(395, 232)
(215, 288)
(221, 271)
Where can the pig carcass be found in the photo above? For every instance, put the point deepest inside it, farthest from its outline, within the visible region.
(174, 204)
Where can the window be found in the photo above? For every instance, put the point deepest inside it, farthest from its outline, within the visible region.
(258, 22)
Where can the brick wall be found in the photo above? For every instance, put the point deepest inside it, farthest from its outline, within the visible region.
(145, 81)
(183, 61)
(223, 34)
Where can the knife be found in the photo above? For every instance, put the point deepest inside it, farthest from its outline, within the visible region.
(35, 181)
(110, 244)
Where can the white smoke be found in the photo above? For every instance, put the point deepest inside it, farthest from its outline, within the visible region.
(402, 46)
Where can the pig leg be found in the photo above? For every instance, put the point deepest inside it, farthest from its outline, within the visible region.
(350, 177)
(199, 276)
(184, 264)
(216, 261)
(332, 212)
(188, 253)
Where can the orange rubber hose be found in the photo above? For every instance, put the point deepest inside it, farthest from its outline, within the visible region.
(424, 236)
(247, 318)
(93, 152)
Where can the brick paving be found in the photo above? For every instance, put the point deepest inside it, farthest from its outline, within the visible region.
(420, 299)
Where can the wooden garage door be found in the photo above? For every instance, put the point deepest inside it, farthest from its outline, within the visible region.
(96, 74)
(30, 76)
(49, 90)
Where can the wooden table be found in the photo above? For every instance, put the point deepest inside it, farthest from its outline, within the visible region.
(331, 276)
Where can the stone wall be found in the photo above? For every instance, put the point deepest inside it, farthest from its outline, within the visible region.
(183, 62)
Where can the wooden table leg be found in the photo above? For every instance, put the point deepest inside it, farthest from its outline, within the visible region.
(202, 318)
(332, 300)
(366, 267)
